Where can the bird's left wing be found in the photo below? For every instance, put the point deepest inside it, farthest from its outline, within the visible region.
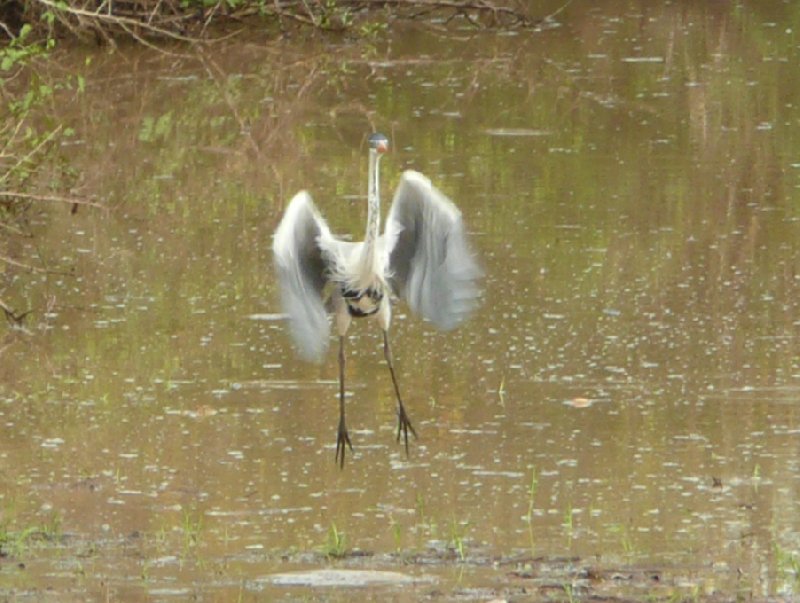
(430, 263)
(301, 267)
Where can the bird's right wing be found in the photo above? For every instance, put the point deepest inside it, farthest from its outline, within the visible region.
(301, 268)
(430, 263)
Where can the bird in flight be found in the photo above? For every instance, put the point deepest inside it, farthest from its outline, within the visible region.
(422, 257)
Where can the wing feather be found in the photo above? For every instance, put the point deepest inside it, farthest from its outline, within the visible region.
(301, 266)
(430, 263)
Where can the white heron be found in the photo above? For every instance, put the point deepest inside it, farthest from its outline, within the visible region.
(423, 257)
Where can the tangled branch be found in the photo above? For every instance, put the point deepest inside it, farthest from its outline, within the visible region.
(189, 20)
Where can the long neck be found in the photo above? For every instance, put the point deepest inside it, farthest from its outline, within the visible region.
(373, 213)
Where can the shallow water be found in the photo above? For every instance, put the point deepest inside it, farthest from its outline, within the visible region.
(631, 180)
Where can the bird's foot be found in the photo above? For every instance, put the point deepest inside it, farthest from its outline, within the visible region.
(404, 426)
(342, 439)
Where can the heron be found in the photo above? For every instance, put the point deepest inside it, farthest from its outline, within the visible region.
(422, 257)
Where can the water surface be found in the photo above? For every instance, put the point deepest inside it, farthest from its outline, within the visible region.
(631, 180)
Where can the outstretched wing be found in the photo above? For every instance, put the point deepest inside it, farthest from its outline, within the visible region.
(430, 263)
(301, 268)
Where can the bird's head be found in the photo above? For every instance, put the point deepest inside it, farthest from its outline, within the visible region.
(379, 142)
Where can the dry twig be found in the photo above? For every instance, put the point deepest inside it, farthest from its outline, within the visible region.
(50, 198)
(12, 317)
(146, 19)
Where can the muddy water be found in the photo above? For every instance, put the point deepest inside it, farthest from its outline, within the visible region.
(625, 397)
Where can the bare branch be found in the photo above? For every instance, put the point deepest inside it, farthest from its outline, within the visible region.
(29, 268)
(30, 154)
(16, 264)
(144, 20)
(12, 316)
(50, 198)
(6, 29)
(120, 21)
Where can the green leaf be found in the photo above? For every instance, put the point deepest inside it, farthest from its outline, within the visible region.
(146, 131)
(163, 125)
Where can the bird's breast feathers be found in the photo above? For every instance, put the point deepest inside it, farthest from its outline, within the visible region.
(364, 302)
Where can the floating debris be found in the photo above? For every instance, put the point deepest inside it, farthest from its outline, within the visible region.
(516, 132)
(52, 442)
(579, 402)
(643, 59)
(339, 577)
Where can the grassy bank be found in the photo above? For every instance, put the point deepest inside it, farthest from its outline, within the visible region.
(189, 20)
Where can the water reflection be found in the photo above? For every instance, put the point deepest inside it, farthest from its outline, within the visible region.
(632, 182)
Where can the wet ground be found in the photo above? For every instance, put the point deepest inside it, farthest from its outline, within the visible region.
(618, 421)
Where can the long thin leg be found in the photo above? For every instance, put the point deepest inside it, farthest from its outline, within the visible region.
(342, 437)
(403, 422)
